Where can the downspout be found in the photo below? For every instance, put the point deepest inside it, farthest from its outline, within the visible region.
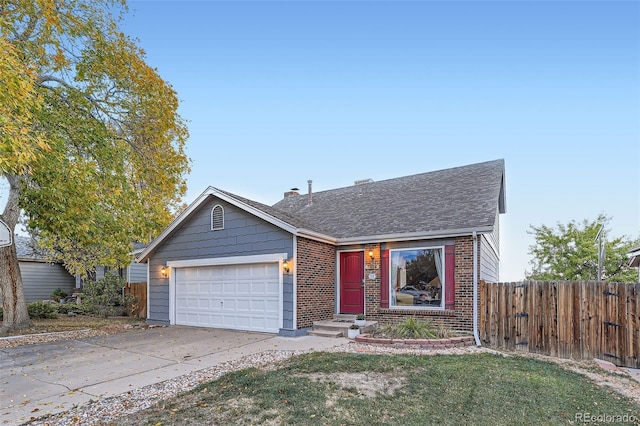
(476, 335)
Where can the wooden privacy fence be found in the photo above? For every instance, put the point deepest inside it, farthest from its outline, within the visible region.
(580, 320)
(139, 290)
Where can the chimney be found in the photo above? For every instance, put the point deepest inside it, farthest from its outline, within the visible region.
(310, 194)
(292, 193)
(363, 181)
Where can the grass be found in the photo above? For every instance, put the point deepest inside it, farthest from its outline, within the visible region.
(358, 389)
(63, 323)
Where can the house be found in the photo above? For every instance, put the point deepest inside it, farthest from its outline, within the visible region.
(634, 259)
(40, 276)
(134, 272)
(409, 246)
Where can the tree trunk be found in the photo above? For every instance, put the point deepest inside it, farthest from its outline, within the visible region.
(15, 314)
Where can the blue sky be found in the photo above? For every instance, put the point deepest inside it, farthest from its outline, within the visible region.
(276, 93)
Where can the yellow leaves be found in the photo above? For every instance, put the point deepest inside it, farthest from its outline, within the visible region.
(19, 101)
(103, 144)
(60, 60)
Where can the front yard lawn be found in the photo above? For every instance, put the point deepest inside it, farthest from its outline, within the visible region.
(364, 389)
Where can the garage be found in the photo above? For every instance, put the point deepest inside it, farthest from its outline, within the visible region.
(237, 296)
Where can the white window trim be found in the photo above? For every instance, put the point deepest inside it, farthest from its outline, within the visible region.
(213, 210)
(442, 281)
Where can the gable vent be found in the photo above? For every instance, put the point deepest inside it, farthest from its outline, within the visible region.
(217, 218)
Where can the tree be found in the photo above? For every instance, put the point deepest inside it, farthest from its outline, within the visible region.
(570, 252)
(91, 143)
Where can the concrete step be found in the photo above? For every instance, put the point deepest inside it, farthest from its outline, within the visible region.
(332, 325)
(326, 333)
(344, 317)
(341, 326)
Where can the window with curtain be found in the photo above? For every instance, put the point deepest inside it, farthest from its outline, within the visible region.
(417, 278)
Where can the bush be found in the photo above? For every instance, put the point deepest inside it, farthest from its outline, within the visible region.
(78, 309)
(104, 297)
(40, 309)
(412, 328)
(58, 294)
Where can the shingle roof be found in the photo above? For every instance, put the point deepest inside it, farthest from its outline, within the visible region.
(26, 249)
(458, 198)
(282, 215)
(439, 203)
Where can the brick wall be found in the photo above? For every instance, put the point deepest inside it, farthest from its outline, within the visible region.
(460, 318)
(316, 272)
(372, 286)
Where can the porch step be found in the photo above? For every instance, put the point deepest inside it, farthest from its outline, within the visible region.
(339, 325)
(325, 333)
(344, 317)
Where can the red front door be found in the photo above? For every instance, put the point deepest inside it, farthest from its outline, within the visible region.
(351, 282)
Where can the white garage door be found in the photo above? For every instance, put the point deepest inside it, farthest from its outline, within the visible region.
(239, 297)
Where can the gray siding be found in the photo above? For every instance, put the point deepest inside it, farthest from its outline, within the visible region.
(495, 235)
(101, 271)
(243, 235)
(489, 261)
(40, 279)
(490, 257)
(137, 273)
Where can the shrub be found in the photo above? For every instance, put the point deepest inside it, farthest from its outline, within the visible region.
(413, 328)
(58, 294)
(444, 332)
(40, 309)
(104, 297)
(78, 309)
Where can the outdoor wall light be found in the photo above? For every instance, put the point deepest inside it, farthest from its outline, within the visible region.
(285, 266)
(164, 271)
(371, 254)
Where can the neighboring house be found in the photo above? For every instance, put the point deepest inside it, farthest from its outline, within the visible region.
(391, 249)
(40, 277)
(634, 259)
(133, 273)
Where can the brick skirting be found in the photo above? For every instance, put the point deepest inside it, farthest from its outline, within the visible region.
(453, 342)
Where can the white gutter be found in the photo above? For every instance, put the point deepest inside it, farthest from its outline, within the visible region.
(316, 236)
(476, 336)
(294, 268)
(370, 239)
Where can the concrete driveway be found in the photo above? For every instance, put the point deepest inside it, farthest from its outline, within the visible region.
(49, 378)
